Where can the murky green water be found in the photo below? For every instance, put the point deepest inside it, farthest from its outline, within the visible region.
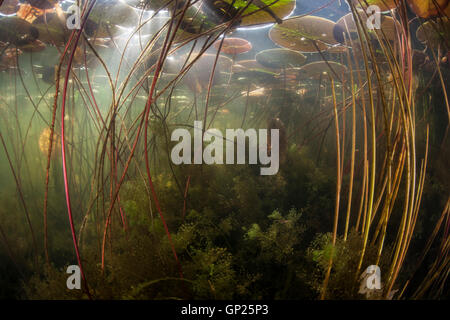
(361, 116)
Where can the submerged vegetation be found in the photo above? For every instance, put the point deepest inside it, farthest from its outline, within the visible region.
(87, 113)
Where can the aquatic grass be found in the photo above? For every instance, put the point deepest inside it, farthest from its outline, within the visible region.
(338, 189)
(21, 197)
(105, 148)
(378, 194)
(352, 165)
(438, 273)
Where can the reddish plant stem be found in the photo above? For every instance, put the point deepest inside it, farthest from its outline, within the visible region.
(63, 147)
(161, 59)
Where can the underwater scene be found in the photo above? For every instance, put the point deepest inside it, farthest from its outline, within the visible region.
(224, 149)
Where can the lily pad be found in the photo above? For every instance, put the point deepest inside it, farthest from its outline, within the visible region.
(233, 46)
(433, 33)
(113, 13)
(427, 8)
(318, 69)
(9, 7)
(280, 58)
(245, 65)
(262, 11)
(384, 5)
(17, 31)
(304, 33)
(52, 29)
(43, 4)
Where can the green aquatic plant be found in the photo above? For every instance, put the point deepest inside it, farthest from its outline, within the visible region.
(345, 256)
(99, 188)
(393, 165)
(278, 241)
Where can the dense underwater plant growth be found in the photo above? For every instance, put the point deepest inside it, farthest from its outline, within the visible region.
(88, 105)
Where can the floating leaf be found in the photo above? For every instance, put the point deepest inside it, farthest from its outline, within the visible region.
(304, 33)
(427, 8)
(384, 5)
(280, 58)
(254, 14)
